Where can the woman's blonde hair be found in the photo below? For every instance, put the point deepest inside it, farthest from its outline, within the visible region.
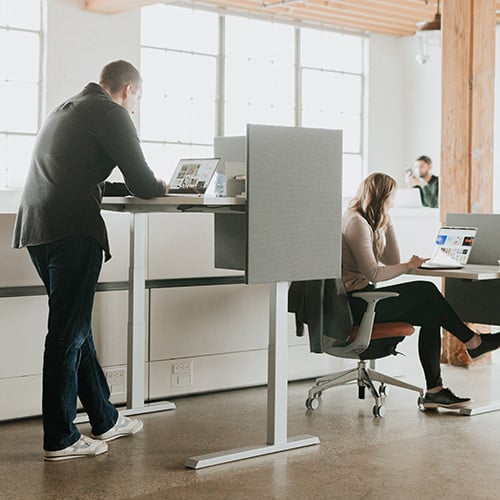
(372, 202)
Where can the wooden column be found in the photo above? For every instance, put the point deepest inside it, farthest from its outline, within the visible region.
(468, 75)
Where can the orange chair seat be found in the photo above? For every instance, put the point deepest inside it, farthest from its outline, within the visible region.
(387, 330)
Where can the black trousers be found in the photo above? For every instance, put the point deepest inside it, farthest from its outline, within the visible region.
(421, 304)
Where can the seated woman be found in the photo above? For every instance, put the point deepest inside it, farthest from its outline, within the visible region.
(368, 240)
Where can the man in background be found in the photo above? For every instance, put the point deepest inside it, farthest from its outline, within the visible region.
(59, 221)
(422, 178)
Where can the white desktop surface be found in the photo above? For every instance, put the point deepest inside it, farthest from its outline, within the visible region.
(469, 272)
(165, 203)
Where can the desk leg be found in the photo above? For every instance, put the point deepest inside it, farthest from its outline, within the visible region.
(277, 393)
(137, 321)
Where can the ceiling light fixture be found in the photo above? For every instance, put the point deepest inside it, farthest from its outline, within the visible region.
(428, 33)
(434, 25)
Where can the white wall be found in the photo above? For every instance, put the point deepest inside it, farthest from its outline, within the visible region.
(80, 43)
(385, 103)
(404, 105)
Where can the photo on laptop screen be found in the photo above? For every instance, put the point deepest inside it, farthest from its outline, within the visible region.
(452, 248)
(192, 176)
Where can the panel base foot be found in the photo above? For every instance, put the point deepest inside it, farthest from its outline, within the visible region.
(478, 410)
(147, 408)
(223, 457)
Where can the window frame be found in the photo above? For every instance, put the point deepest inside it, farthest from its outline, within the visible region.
(4, 134)
(220, 104)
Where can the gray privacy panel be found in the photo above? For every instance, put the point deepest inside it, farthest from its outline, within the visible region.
(230, 241)
(486, 249)
(477, 301)
(294, 194)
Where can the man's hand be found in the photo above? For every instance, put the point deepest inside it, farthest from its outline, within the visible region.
(413, 181)
(166, 187)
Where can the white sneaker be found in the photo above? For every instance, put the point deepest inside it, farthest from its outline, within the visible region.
(84, 447)
(124, 427)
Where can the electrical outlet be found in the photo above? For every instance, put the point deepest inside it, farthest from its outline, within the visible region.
(182, 373)
(182, 367)
(117, 378)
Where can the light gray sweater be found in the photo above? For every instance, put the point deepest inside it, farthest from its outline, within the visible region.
(359, 265)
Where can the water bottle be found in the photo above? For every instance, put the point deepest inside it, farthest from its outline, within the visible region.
(220, 184)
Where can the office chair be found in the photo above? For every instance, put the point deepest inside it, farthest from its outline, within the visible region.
(366, 342)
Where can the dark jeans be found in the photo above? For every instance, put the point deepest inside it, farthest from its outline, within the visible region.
(421, 304)
(69, 269)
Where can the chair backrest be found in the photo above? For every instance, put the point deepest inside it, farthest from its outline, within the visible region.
(337, 316)
(324, 306)
(338, 339)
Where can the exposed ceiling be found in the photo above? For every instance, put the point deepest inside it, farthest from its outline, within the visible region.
(391, 17)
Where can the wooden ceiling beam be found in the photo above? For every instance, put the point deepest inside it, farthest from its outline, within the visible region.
(321, 16)
(116, 6)
(378, 18)
(391, 17)
(396, 8)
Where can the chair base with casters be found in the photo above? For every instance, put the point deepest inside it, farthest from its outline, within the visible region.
(367, 342)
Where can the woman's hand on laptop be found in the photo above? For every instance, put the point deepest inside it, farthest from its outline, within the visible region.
(415, 262)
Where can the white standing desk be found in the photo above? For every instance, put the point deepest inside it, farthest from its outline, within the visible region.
(277, 389)
(476, 272)
(469, 272)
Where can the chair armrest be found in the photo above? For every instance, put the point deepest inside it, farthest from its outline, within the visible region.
(374, 296)
(364, 335)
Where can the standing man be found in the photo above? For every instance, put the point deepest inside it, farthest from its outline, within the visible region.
(59, 222)
(423, 179)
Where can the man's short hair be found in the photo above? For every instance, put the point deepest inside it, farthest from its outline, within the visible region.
(115, 75)
(425, 159)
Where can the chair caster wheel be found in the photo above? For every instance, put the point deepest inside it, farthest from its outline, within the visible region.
(383, 390)
(420, 403)
(378, 411)
(312, 403)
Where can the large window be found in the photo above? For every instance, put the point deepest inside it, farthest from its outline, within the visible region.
(332, 91)
(206, 74)
(259, 74)
(178, 62)
(19, 87)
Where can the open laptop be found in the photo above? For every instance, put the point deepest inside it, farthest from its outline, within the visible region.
(407, 198)
(452, 248)
(192, 176)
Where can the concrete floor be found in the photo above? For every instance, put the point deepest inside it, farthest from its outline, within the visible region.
(405, 455)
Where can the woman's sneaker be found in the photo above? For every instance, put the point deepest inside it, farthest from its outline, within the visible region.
(124, 427)
(489, 342)
(443, 399)
(84, 447)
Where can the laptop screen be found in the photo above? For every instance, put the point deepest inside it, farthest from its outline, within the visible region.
(192, 176)
(455, 242)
